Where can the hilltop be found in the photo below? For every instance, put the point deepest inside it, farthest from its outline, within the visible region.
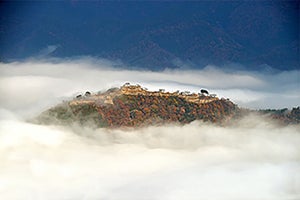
(133, 105)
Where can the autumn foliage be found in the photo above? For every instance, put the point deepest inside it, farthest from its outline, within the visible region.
(137, 110)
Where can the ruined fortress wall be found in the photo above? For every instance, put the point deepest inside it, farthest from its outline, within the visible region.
(137, 90)
(194, 98)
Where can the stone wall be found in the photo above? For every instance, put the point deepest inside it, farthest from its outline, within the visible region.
(138, 90)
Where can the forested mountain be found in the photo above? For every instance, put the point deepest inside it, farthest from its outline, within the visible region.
(154, 35)
(134, 106)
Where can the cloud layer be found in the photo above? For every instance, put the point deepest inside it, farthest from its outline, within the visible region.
(251, 159)
(42, 81)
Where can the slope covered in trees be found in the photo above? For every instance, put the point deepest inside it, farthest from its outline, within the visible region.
(118, 108)
(134, 106)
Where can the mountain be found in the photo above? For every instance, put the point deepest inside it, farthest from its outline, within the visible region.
(284, 116)
(154, 34)
(133, 105)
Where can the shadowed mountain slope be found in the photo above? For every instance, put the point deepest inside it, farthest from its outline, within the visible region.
(154, 35)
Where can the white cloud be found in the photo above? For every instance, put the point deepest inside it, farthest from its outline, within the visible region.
(48, 80)
(252, 159)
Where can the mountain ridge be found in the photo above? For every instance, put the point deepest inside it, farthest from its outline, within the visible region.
(135, 106)
(153, 34)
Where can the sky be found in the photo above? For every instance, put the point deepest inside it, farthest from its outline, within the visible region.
(253, 158)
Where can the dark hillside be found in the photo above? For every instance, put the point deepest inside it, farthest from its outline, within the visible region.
(154, 34)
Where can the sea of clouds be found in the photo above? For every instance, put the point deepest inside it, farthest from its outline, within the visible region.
(252, 159)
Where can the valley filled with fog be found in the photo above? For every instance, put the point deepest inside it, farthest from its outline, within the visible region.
(253, 158)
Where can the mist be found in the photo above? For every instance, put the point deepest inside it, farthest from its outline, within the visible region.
(45, 82)
(253, 158)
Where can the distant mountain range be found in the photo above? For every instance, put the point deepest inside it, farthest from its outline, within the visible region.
(154, 35)
(135, 106)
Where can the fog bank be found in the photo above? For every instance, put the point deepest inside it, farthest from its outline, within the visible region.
(252, 159)
(41, 83)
